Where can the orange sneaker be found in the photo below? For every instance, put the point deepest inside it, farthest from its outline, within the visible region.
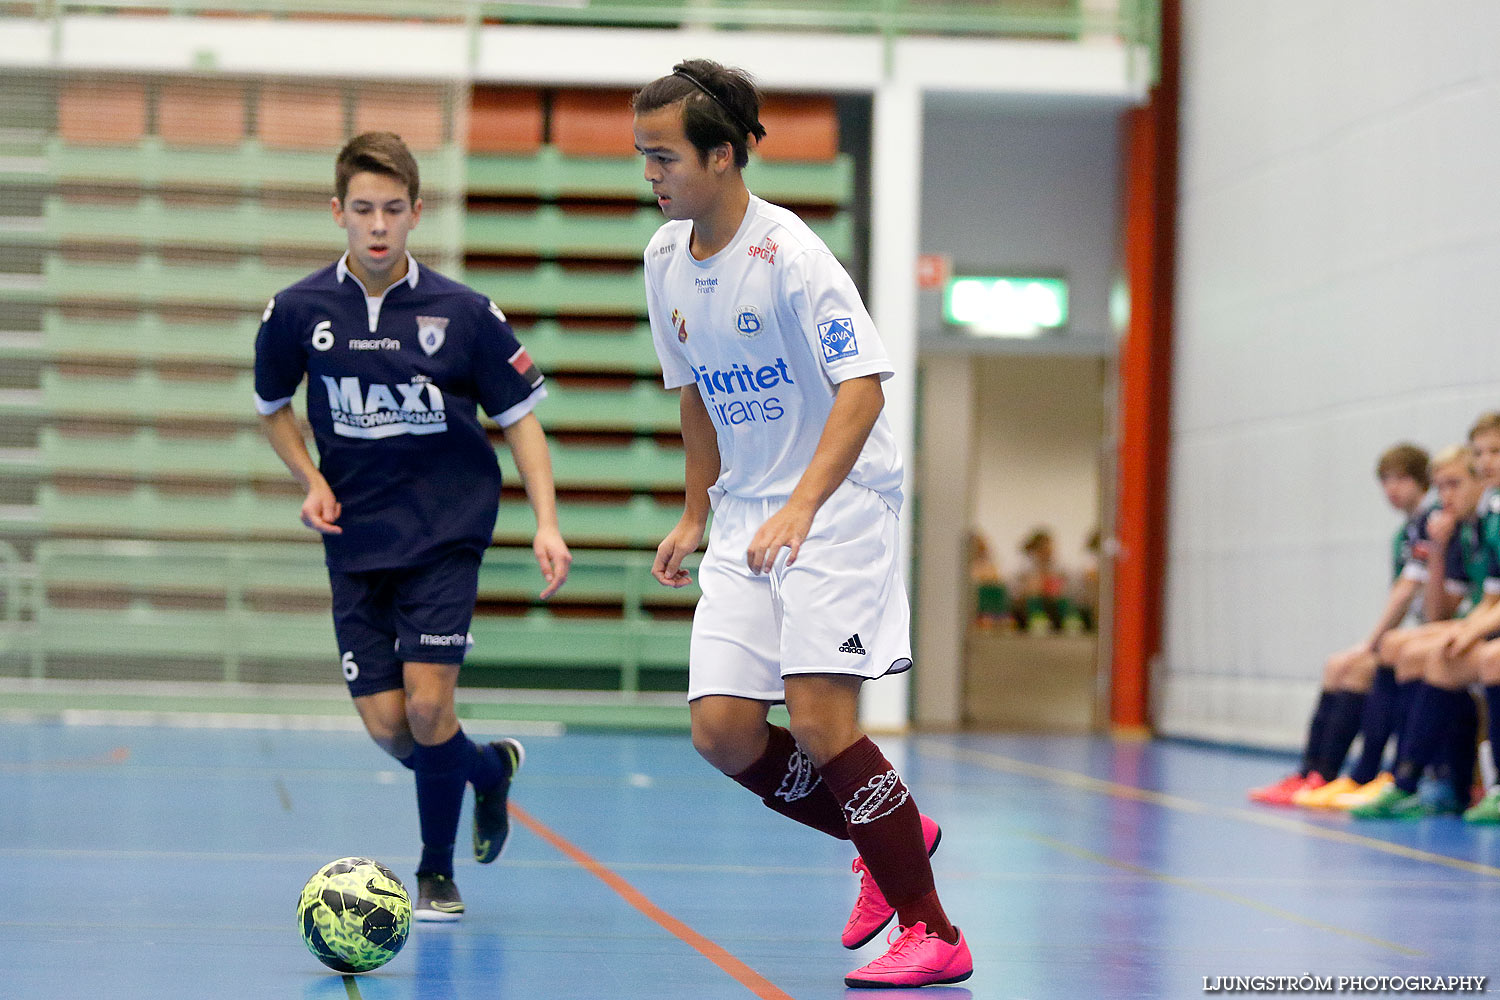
(1364, 794)
(1322, 797)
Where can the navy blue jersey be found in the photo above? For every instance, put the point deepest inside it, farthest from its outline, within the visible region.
(1409, 547)
(1470, 565)
(392, 389)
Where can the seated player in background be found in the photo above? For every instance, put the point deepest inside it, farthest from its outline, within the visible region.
(1463, 580)
(991, 606)
(1487, 809)
(1402, 471)
(1388, 707)
(1039, 593)
(406, 491)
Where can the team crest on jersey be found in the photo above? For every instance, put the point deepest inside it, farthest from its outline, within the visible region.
(431, 332)
(747, 322)
(837, 338)
(681, 325)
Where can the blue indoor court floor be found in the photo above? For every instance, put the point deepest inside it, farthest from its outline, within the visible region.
(165, 862)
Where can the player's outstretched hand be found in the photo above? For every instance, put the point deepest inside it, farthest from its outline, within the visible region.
(681, 543)
(321, 509)
(1460, 641)
(785, 529)
(1440, 526)
(553, 557)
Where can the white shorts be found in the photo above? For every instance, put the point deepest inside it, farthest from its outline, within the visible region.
(840, 609)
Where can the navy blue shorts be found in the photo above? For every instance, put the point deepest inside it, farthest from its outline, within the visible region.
(386, 617)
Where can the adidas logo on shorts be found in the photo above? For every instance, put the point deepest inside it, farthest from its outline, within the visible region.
(851, 645)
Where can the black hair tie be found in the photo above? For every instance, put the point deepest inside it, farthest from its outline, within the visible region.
(756, 130)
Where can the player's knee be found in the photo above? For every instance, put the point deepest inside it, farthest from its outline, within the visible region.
(1333, 672)
(727, 744)
(425, 714)
(1489, 664)
(390, 733)
(1359, 675)
(1411, 664)
(1389, 648)
(823, 737)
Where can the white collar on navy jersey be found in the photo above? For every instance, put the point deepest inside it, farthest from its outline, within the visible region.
(411, 270)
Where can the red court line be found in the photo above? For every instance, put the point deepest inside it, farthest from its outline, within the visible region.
(116, 756)
(746, 976)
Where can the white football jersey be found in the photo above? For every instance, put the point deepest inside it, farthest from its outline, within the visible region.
(767, 327)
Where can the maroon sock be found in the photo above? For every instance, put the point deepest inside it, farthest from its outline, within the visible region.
(786, 781)
(886, 827)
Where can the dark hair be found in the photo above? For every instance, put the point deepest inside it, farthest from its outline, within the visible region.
(1036, 539)
(376, 153)
(719, 104)
(1486, 422)
(1405, 459)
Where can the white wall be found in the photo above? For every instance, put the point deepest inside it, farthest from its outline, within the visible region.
(1339, 242)
(1038, 423)
(1012, 186)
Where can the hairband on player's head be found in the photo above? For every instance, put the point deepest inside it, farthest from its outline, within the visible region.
(756, 129)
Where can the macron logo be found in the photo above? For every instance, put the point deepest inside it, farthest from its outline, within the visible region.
(454, 639)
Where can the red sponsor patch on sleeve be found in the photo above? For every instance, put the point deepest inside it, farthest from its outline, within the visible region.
(526, 368)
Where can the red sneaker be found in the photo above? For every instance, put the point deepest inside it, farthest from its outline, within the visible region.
(916, 959)
(1280, 794)
(871, 911)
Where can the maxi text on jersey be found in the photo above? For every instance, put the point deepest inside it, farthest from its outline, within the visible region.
(372, 411)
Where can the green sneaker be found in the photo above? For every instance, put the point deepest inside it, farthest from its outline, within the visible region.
(1486, 810)
(1392, 803)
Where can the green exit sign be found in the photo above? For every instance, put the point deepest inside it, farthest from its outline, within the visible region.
(1006, 306)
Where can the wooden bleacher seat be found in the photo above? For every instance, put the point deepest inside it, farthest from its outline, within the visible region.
(505, 120)
(593, 123)
(799, 127)
(102, 112)
(201, 113)
(301, 116)
(418, 114)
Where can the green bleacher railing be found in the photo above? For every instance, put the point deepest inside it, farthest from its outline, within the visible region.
(1131, 20)
(538, 640)
(147, 511)
(146, 338)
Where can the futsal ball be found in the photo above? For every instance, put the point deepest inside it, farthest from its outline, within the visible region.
(354, 914)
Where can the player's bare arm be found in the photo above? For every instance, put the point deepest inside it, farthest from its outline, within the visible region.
(321, 508)
(528, 446)
(1478, 624)
(857, 403)
(1397, 601)
(701, 449)
(1437, 603)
